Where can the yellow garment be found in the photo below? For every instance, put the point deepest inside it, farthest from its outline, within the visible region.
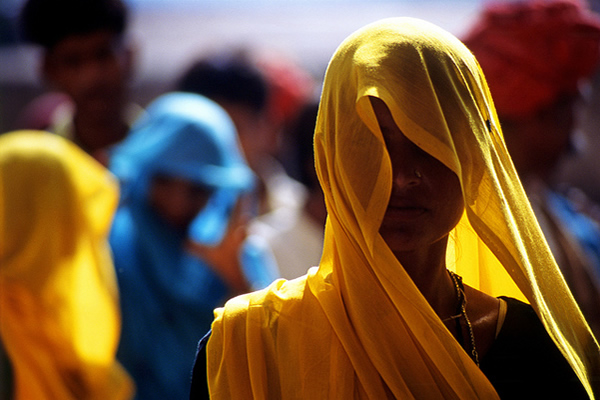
(59, 316)
(357, 327)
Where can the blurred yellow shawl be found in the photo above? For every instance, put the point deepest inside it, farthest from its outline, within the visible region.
(357, 327)
(59, 316)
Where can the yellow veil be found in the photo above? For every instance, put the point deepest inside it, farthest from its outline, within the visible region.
(59, 316)
(357, 327)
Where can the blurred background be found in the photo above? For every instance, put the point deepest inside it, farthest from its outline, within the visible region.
(169, 34)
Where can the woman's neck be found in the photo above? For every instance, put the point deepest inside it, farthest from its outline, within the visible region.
(427, 268)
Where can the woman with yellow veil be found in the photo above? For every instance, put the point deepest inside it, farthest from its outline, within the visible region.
(59, 308)
(427, 226)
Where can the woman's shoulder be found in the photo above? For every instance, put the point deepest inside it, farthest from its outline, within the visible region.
(522, 334)
(266, 303)
(524, 361)
(240, 315)
(520, 319)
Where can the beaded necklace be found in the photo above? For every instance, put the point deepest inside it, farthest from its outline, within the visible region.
(461, 311)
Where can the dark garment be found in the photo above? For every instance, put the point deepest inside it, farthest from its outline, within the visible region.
(523, 362)
(6, 375)
(199, 390)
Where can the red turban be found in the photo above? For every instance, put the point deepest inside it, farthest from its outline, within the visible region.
(289, 84)
(533, 52)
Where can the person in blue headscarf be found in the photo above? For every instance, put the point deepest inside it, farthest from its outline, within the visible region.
(178, 238)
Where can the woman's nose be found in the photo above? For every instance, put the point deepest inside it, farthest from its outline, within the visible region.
(407, 176)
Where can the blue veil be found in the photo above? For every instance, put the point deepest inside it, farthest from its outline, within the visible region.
(168, 295)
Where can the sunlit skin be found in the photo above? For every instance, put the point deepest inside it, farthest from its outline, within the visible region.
(426, 203)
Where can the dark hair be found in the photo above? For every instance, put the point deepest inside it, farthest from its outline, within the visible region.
(227, 77)
(300, 146)
(47, 22)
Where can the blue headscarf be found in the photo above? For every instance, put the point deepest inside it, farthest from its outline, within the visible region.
(167, 294)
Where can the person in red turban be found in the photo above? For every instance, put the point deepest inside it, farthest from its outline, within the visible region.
(534, 52)
(536, 55)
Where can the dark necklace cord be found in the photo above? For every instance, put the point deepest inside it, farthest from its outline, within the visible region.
(461, 311)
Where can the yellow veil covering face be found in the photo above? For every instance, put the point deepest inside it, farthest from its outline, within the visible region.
(357, 327)
(59, 315)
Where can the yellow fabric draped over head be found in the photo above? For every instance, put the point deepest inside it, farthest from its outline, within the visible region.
(357, 327)
(59, 315)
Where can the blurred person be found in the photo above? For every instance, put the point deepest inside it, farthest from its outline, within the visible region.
(60, 319)
(235, 82)
(536, 55)
(41, 113)
(179, 238)
(290, 90)
(87, 56)
(427, 224)
(263, 93)
(298, 242)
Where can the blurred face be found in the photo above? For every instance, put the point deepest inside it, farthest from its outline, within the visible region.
(536, 143)
(426, 201)
(177, 201)
(258, 138)
(92, 69)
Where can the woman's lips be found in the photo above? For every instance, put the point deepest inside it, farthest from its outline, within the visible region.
(404, 213)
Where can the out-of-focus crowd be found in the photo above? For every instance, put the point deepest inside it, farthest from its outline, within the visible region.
(123, 226)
